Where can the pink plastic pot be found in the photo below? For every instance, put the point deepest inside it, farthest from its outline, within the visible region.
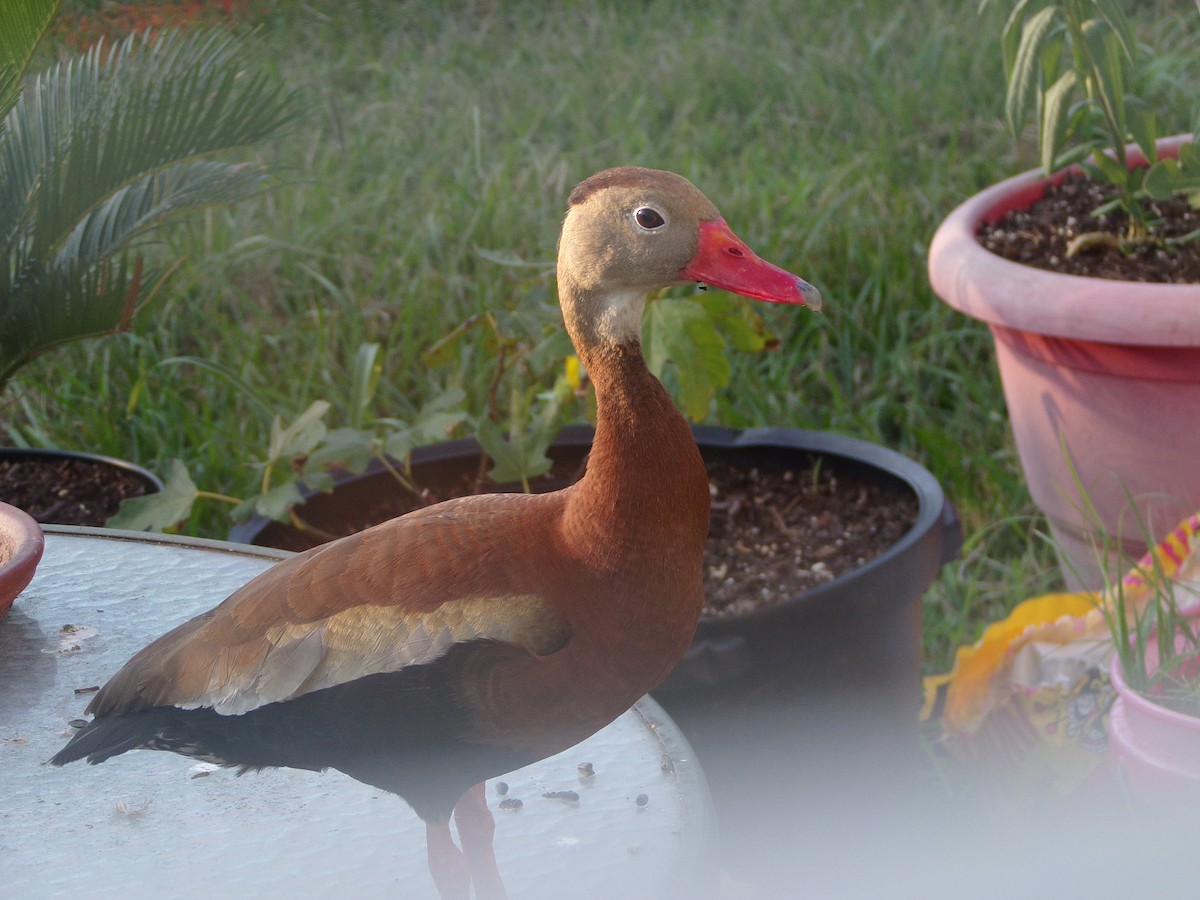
(1108, 369)
(21, 544)
(1154, 751)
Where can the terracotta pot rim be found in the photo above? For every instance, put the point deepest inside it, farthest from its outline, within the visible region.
(19, 530)
(998, 291)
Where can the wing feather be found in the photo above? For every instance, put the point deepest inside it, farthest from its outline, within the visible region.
(397, 595)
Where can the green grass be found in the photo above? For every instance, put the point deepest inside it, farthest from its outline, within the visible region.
(834, 137)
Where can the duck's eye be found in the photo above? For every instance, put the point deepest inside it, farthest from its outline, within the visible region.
(649, 218)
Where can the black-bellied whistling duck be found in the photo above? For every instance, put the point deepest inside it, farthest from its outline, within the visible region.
(487, 632)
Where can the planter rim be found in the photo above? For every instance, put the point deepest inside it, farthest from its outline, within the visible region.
(50, 453)
(988, 287)
(1143, 705)
(19, 531)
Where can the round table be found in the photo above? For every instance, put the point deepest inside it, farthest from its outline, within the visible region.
(150, 822)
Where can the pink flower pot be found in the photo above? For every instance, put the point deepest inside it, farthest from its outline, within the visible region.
(21, 544)
(1109, 370)
(1154, 751)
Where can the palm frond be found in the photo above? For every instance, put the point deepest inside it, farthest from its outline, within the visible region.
(105, 147)
(25, 22)
(48, 307)
(91, 127)
(153, 199)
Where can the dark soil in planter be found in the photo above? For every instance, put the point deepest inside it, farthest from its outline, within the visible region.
(67, 491)
(775, 532)
(1038, 236)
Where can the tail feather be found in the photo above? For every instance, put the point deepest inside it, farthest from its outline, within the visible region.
(103, 738)
(404, 732)
(249, 741)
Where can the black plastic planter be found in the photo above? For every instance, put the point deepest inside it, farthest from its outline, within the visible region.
(862, 628)
(46, 509)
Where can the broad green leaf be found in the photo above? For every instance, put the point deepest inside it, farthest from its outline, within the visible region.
(738, 322)
(274, 504)
(678, 331)
(1189, 156)
(398, 444)
(437, 426)
(436, 418)
(346, 448)
(506, 463)
(243, 511)
(516, 458)
(317, 480)
(433, 422)
(158, 512)
(547, 354)
(1166, 178)
(301, 436)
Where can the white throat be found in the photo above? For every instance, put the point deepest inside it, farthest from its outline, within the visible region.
(619, 317)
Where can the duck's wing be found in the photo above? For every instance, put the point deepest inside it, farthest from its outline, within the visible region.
(400, 594)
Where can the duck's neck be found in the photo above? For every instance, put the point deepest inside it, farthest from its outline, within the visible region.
(645, 489)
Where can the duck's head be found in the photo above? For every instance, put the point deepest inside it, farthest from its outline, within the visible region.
(631, 231)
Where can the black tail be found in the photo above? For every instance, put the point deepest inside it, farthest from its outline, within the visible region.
(106, 737)
(398, 731)
(250, 741)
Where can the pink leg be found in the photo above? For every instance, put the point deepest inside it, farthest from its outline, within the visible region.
(449, 869)
(476, 828)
